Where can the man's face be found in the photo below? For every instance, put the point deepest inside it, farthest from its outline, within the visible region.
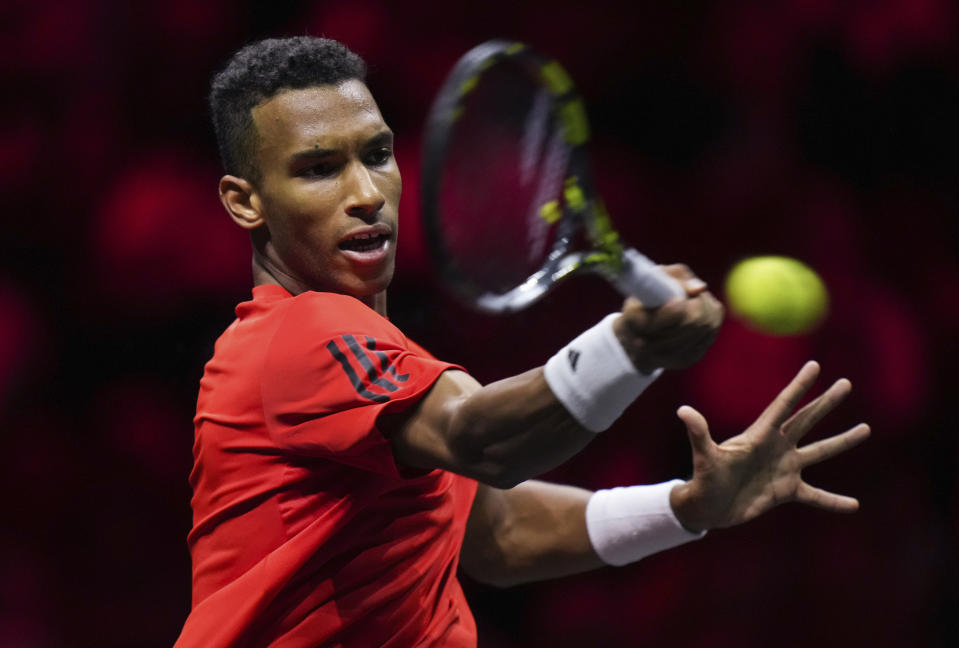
(329, 188)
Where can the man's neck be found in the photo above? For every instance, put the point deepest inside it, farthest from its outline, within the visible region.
(265, 272)
(377, 302)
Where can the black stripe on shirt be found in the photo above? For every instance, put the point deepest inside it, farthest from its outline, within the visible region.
(364, 360)
(384, 361)
(358, 385)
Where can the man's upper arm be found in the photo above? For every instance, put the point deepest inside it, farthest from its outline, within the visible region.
(420, 436)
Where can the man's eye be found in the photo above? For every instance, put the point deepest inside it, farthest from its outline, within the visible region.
(318, 171)
(380, 155)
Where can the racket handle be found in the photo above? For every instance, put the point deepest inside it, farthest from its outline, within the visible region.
(643, 279)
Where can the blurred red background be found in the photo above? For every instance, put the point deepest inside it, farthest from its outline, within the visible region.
(815, 129)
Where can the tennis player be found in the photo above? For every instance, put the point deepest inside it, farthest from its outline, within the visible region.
(343, 473)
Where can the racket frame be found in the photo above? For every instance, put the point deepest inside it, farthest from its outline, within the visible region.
(580, 211)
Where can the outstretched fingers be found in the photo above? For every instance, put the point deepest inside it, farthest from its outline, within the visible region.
(697, 429)
(778, 410)
(803, 420)
(825, 500)
(827, 448)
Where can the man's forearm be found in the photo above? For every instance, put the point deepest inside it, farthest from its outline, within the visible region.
(500, 434)
(522, 426)
(534, 531)
(538, 530)
(516, 429)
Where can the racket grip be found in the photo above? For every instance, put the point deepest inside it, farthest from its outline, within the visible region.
(643, 279)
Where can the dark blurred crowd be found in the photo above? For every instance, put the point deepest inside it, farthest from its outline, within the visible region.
(821, 130)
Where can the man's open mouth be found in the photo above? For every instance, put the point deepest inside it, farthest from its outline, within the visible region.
(364, 242)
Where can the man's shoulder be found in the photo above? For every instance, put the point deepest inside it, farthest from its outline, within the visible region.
(323, 314)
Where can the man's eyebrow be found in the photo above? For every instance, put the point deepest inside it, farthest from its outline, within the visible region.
(383, 138)
(311, 154)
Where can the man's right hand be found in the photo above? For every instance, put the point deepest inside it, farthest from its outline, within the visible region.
(674, 335)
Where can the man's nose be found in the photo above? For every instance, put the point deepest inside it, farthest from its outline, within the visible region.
(364, 198)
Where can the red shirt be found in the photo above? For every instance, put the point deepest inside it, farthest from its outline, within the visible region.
(305, 533)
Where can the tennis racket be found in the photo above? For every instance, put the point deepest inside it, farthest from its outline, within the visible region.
(508, 203)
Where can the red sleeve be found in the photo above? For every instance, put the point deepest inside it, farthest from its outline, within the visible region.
(332, 368)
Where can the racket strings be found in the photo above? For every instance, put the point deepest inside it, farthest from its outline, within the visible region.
(504, 169)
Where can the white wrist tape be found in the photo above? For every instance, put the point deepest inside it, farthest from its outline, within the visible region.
(630, 523)
(594, 378)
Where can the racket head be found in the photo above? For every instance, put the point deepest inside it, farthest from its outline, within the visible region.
(508, 203)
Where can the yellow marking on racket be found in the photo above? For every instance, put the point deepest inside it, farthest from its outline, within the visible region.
(605, 237)
(456, 113)
(599, 257)
(573, 194)
(469, 84)
(575, 125)
(602, 224)
(550, 212)
(514, 48)
(555, 78)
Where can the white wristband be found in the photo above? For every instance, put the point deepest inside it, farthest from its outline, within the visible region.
(594, 378)
(629, 523)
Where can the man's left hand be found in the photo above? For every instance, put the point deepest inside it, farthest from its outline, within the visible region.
(750, 473)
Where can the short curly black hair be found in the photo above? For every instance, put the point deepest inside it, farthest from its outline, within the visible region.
(261, 70)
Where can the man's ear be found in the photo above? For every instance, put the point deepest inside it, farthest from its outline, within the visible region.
(241, 202)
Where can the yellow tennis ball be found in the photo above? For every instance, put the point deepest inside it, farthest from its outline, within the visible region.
(776, 294)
